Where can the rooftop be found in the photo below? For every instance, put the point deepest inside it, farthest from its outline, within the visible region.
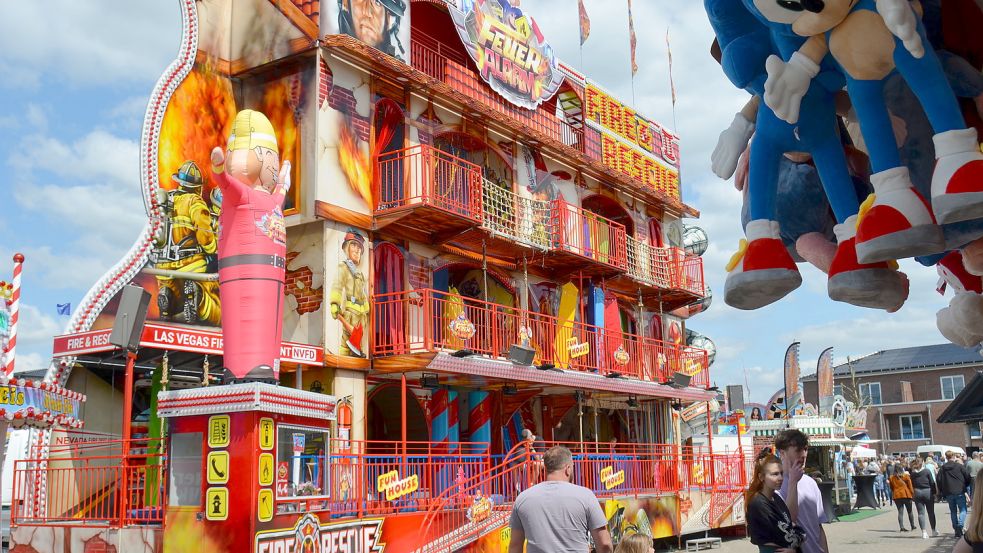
(907, 359)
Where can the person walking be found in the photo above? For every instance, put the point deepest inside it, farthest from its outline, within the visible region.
(902, 491)
(972, 541)
(851, 471)
(636, 543)
(974, 466)
(887, 467)
(923, 481)
(556, 515)
(771, 525)
(953, 481)
(805, 502)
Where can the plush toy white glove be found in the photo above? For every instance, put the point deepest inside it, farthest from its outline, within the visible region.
(962, 322)
(787, 83)
(900, 19)
(731, 143)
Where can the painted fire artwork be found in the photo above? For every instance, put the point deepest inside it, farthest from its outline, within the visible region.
(356, 162)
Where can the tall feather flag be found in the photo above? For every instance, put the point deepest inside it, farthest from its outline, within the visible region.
(824, 377)
(792, 396)
(672, 85)
(584, 22)
(632, 40)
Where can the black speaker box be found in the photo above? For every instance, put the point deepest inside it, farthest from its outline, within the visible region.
(681, 380)
(521, 355)
(735, 397)
(130, 317)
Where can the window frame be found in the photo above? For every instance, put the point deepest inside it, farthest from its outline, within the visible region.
(880, 392)
(951, 377)
(325, 478)
(911, 418)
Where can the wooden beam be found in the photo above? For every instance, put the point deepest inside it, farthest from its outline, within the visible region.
(402, 363)
(324, 210)
(297, 17)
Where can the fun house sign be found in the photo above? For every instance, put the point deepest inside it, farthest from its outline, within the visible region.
(510, 51)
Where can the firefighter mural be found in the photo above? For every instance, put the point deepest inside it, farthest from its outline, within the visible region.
(184, 254)
(252, 246)
(349, 295)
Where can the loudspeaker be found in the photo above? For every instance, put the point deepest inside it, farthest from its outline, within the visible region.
(681, 380)
(130, 316)
(521, 355)
(735, 397)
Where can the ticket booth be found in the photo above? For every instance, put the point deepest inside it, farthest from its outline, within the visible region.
(248, 467)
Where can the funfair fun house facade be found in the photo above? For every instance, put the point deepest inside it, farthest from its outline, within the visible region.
(480, 241)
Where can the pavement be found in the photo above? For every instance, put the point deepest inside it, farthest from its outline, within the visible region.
(873, 535)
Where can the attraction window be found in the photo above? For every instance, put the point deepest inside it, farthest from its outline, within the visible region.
(911, 427)
(837, 389)
(952, 385)
(300, 464)
(185, 470)
(870, 393)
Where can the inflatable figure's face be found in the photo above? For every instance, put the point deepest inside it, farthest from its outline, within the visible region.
(807, 17)
(256, 167)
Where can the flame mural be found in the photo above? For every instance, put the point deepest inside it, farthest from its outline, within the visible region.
(356, 163)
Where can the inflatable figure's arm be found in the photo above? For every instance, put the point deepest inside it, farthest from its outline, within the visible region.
(734, 140)
(284, 183)
(788, 82)
(232, 189)
(900, 19)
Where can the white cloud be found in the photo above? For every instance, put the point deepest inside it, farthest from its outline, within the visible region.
(31, 361)
(87, 43)
(36, 328)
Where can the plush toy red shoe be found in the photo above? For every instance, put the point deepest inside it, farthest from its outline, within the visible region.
(875, 285)
(762, 271)
(962, 321)
(957, 183)
(895, 222)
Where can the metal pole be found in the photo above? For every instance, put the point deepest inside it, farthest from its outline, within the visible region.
(402, 405)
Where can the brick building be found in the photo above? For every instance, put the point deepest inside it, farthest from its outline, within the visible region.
(906, 390)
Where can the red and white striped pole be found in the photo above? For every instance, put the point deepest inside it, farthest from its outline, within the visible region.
(14, 303)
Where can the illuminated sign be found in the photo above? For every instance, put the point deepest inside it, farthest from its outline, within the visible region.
(631, 144)
(612, 479)
(509, 50)
(310, 535)
(394, 487)
(15, 399)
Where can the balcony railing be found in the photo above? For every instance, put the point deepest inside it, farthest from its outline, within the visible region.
(650, 265)
(425, 320)
(422, 175)
(589, 235)
(523, 220)
(691, 273)
(446, 64)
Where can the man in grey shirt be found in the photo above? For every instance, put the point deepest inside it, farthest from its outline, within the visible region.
(556, 516)
(974, 467)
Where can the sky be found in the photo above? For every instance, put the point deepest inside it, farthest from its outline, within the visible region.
(77, 76)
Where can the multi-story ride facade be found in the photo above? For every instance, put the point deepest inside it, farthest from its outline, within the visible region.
(482, 245)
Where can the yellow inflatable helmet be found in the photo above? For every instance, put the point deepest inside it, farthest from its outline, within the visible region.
(251, 129)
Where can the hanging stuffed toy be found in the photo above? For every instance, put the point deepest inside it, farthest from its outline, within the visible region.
(868, 40)
(962, 321)
(763, 271)
(251, 247)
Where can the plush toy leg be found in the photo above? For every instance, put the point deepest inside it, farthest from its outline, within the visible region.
(763, 272)
(895, 221)
(962, 322)
(874, 285)
(957, 183)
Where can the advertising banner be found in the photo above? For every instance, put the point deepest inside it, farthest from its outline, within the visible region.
(632, 144)
(15, 399)
(509, 49)
(792, 396)
(824, 376)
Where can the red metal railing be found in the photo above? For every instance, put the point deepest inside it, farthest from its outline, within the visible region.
(651, 265)
(523, 220)
(691, 273)
(608, 470)
(96, 490)
(589, 235)
(425, 317)
(422, 175)
(445, 63)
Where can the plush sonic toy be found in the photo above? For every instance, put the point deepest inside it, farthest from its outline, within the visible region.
(868, 40)
(763, 271)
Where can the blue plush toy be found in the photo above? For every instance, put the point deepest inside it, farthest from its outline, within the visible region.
(763, 271)
(868, 40)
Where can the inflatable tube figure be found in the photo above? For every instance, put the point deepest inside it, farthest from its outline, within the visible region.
(252, 247)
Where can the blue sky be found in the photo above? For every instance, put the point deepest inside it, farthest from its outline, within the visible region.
(77, 76)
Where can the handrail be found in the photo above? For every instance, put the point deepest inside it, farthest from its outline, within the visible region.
(524, 220)
(426, 316)
(588, 234)
(422, 175)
